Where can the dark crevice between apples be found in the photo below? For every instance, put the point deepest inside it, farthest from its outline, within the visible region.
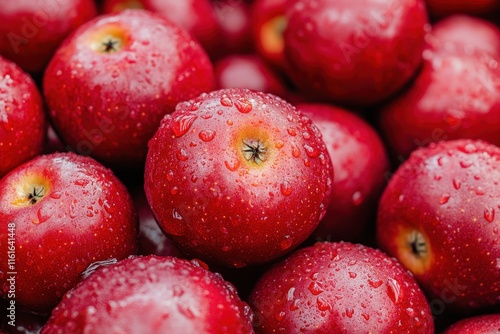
(36, 195)
(254, 151)
(418, 244)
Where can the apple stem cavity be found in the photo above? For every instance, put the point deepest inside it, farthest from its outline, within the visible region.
(37, 194)
(110, 45)
(418, 244)
(254, 151)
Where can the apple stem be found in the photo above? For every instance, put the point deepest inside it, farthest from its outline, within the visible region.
(254, 150)
(417, 243)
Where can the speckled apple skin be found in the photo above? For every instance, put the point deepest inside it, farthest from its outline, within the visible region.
(32, 30)
(450, 192)
(339, 288)
(22, 118)
(110, 105)
(481, 324)
(354, 53)
(216, 206)
(87, 215)
(152, 294)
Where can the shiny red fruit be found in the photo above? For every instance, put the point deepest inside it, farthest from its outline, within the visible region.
(439, 216)
(152, 295)
(59, 213)
(32, 30)
(440, 8)
(339, 288)
(237, 177)
(22, 117)
(481, 324)
(354, 52)
(361, 165)
(110, 84)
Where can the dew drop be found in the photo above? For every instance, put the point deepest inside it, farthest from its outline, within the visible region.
(109, 208)
(82, 182)
(295, 151)
(465, 164)
(393, 289)
(457, 184)
(55, 195)
(174, 190)
(366, 316)
(181, 155)
(286, 188)
(375, 283)
(186, 311)
(306, 135)
(489, 214)
(315, 288)
(72, 209)
(323, 304)
(279, 144)
(349, 312)
(280, 316)
(289, 295)
(286, 242)
(178, 291)
(226, 101)
(292, 131)
(444, 198)
(243, 105)
(294, 305)
(410, 311)
(206, 135)
(232, 164)
(352, 274)
(182, 123)
(311, 151)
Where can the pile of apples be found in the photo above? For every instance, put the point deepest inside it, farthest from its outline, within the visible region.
(265, 166)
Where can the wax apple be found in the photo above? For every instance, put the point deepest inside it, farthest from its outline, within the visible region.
(22, 117)
(119, 81)
(31, 30)
(360, 164)
(455, 96)
(481, 324)
(152, 295)
(237, 177)
(248, 71)
(197, 17)
(439, 217)
(339, 288)
(354, 53)
(59, 213)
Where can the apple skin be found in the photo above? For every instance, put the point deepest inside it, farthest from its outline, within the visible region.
(248, 71)
(237, 177)
(32, 30)
(339, 288)
(354, 53)
(152, 294)
(454, 96)
(361, 166)
(22, 118)
(109, 104)
(84, 214)
(439, 217)
(481, 324)
(196, 16)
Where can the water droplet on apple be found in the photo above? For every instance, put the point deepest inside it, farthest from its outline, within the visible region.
(280, 315)
(182, 123)
(311, 151)
(294, 305)
(226, 101)
(108, 207)
(286, 242)
(181, 155)
(393, 289)
(178, 290)
(43, 216)
(315, 288)
(456, 183)
(72, 209)
(82, 182)
(375, 283)
(349, 312)
(465, 164)
(279, 144)
(55, 195)
(352, 274)
(243, 105)
(444, 198)
(366, 316)
(286, 188)
(186, 311)
(410, 311)
(206, 135)
(174, 190)
(295, 151)
(323, 304)
(489, 214)
(290, 293)
(291, 131)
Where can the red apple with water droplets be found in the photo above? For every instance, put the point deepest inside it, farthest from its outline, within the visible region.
(32, 30)
(63, 211)
(152, 294)
(237, 177)
(355, 53)
(109, 85)
(439, 216)
(481, 324)
(360, 163)
(22, 117)
(339, 288)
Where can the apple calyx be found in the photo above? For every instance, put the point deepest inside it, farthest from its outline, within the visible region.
(414, 250)
(30, 192)
(111, 45)
(272, 34)
(254, 151)
(418, 244)
(108, 39)
(37, 194)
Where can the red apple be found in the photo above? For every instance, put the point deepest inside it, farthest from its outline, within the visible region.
(22, 118)
(339, 288)
(109, 84)
(31, 30)
(481, 324)
(268, 23)
(454, 96)
(361, 165)
(354, 52)
(196, 16)
(152, 295)
(248, 71)
(440, 8)
(439, 217)
(237, 177)
(59, 213)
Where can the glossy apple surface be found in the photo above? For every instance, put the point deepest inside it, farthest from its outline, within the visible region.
(22, 117)
(354, 53)
(339, 288)
(32, 30)
(152, 295)
(360, 165)
(66, 212)
(440, 8)
(439, 217)
(237, 177)
(109, 84)
(481, 324)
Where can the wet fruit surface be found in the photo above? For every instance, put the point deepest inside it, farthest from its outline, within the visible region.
(237, 177)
